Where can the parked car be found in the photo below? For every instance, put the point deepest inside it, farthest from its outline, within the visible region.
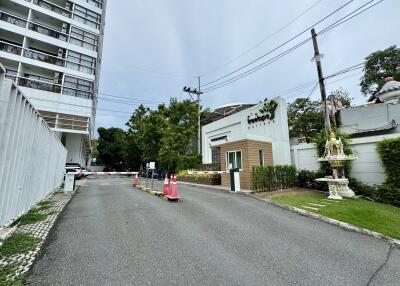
(77, 172)
(86, 172)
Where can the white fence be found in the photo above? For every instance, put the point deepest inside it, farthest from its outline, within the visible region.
(32, 158)
(368, 168)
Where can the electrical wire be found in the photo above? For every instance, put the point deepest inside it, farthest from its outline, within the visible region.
(279, 46)
(262, 65)
(263, 40)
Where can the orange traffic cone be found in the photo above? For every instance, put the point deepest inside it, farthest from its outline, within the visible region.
(136, 181)
(174, 194)
(166, 186)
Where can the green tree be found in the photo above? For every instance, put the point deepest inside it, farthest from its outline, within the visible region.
(305, 118)
(378, 66)
(112, 147)
(343, 96)
(178, 149)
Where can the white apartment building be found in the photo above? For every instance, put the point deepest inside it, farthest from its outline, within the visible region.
(52, 50)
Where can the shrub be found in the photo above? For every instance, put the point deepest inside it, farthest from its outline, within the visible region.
(386, 193)
(307, 179)
(389, 151)
(208, 167)
(269, 178)
(184, 173)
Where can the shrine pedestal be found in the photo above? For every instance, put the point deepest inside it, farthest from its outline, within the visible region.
(338, 188)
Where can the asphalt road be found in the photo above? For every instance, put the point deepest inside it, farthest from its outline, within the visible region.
(111, 234)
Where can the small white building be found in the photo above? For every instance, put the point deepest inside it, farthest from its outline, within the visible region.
(257, 135)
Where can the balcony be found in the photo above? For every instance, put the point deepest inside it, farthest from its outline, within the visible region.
(15, 20)
(36, 27)
(38, 82)
(31, 54)
(10, 48)
(53, 7)
(42, 29)
(43, 57)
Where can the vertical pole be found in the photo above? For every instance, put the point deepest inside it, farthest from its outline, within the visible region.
(198, 121)
(317, 58)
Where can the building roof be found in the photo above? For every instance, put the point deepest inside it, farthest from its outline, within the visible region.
(225, 110)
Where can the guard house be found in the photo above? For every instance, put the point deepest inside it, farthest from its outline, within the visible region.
(253, 136)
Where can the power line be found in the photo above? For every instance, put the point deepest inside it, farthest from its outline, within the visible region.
(130, 99)
(263, 40)
(279, 46)
(264, 64)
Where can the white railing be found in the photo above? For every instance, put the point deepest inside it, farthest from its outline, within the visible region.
(32, 158)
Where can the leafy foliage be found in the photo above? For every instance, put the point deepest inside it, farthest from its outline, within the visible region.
(378, 66)
(389, 151)
(269, 178)
(343, 96)
(112, 147)
(307, 179)
(166, 135)
(306, 118)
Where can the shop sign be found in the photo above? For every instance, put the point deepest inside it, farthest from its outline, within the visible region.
(266, 112)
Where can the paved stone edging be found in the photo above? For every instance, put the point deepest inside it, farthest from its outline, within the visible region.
(344, 225)
(24, 261)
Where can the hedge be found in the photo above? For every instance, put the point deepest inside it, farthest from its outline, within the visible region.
(388, 194)
(269, 178)
(389, 151)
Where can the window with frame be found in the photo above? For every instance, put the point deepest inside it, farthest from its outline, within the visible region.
(261, 157)
(83, 39)
(216, 155)
(79, 62)
(87, 17)
(95, 3)
(78, 87)
(234, 158)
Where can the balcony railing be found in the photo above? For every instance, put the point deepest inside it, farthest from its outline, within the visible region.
(47, 31)
(43, 57)
(32, 54)
(36, 27)
(10, 48)
(52, 7)
(38, 83)
(12, 19)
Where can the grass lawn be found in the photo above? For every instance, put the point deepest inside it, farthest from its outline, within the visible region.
(374, 216)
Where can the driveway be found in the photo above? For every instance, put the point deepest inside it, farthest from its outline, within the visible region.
(112, 234)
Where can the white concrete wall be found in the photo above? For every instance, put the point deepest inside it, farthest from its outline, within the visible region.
(368, 168)
(236, 127)
(74, 145)
(32, 158)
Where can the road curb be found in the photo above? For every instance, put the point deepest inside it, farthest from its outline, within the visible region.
(343, 225)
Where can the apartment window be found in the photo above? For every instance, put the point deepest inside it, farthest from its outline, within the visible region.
(261, 157)
(216, 155)
(83, 39)
(95, 3)
(78, 87)
(87, 17)
(79, 62)
(234, 159)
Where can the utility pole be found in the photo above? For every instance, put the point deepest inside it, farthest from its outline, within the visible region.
(197, 92)
(317, 58)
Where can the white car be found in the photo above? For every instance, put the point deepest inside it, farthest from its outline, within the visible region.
(76, 170)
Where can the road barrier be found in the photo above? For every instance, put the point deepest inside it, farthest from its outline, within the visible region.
(32, 158)
(112, 173)
(206, 172)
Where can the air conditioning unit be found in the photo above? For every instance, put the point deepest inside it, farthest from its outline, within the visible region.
(65, 28)
(61, 53)
(68, 6)
(57, 77)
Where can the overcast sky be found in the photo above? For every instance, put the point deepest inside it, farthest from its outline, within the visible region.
(153, 48)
